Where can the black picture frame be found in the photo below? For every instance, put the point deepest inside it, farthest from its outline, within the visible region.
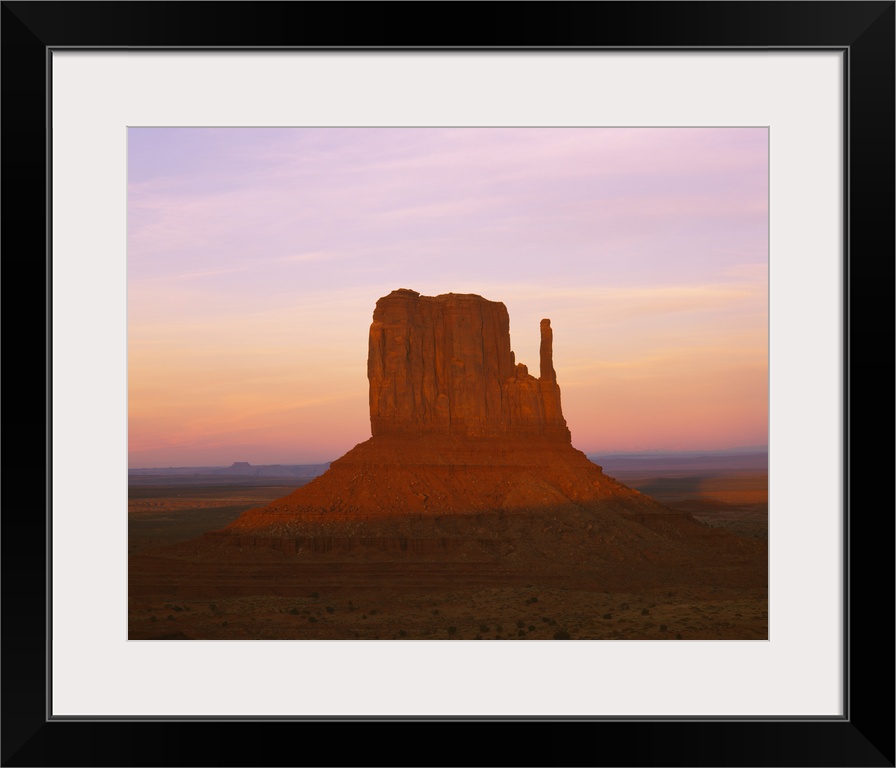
(864, 31)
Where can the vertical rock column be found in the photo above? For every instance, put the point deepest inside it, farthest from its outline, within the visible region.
(547, 383)
(547, 372)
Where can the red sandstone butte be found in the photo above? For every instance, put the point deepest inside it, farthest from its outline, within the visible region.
(458, 427)
(443, 365)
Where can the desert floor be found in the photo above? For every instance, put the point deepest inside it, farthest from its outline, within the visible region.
(184, 588)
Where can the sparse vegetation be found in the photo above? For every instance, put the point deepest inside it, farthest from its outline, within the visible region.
(717, 610)
(562, 635)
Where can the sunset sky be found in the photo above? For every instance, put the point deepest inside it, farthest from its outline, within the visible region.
(256, 256)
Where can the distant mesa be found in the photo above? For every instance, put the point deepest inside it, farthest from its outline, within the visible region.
(458, 427)
(239, 470)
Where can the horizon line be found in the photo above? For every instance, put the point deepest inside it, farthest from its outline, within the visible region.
(624, 452)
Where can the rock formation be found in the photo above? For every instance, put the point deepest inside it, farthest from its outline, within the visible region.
(467, 509)
(443, 365)
(458, 427)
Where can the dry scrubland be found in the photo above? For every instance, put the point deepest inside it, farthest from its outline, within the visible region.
(184, 587)
(528, 613)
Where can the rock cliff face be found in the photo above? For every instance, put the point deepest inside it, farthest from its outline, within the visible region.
(443, 365)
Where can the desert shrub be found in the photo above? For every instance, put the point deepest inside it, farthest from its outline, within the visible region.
(435, 611)
(330, 609)
(402, 633)
(363, 615)
(213, 607)
(452, 630)
(294, 611)
(312, 619)
(663, 627)
(315, 595)
(607, 616)
(623, 607)
(484, 627)
(153, 618)
(170, 617)
(478, 637)
(521, 633)
(546, 619)
(499, 628)
(373, 612)
(531, 627)
(678, 635)
(521, 624)
(562, 635)
(645, 612)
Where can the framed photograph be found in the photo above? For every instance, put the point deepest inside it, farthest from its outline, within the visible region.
(85, 83)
